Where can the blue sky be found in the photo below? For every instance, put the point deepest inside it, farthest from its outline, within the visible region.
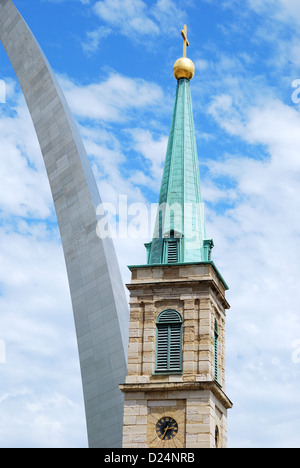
(114, 59)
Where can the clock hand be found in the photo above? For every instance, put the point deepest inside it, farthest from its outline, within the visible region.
(164, 434)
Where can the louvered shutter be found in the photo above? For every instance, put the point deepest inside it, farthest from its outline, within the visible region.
(162, 347)
(169, 316)
(175, 347)
(173, 251)
(216, 351)
(169, 342)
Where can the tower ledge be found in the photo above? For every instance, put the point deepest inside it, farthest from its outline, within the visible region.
(187, 273)
(211, 386)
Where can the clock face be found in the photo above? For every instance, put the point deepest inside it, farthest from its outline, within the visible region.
(166, 428)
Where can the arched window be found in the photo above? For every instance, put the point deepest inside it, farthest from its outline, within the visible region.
(216, 350)
(169, 342)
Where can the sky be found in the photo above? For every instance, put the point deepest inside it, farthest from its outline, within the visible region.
(114, 60)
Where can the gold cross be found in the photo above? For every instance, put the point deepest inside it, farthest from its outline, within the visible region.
(185, 39)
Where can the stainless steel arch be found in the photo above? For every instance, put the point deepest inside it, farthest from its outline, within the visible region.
(98, 295)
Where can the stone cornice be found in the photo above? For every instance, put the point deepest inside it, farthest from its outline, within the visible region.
(150, 281)
(211, 386)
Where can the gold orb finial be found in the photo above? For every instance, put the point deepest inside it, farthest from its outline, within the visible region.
(184, 67)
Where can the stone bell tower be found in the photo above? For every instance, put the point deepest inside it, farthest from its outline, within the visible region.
(175, 386)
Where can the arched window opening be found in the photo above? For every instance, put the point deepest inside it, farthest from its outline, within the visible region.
(169, 342)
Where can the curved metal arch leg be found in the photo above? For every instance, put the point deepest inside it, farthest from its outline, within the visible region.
(98, 296)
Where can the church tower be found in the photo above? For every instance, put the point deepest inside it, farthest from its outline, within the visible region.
(175, 386)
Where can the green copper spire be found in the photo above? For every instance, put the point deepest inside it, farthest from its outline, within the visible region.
(179, 234)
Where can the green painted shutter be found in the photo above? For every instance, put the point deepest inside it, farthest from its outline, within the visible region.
(162, 347)
(175, 347)
(173, 251)
(169, 342)
(216, 351)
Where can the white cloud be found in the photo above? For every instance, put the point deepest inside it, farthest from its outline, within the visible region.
(154, 152)
(169, 16)
(112, 100)
(38, 330)
(135, 19)
(34, 420)
(94, 38)
(22, 174)
(282, 10)
(257, 245)
(130, 16)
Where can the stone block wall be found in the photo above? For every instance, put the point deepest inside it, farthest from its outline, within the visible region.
(194, 293)
(192, 397)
